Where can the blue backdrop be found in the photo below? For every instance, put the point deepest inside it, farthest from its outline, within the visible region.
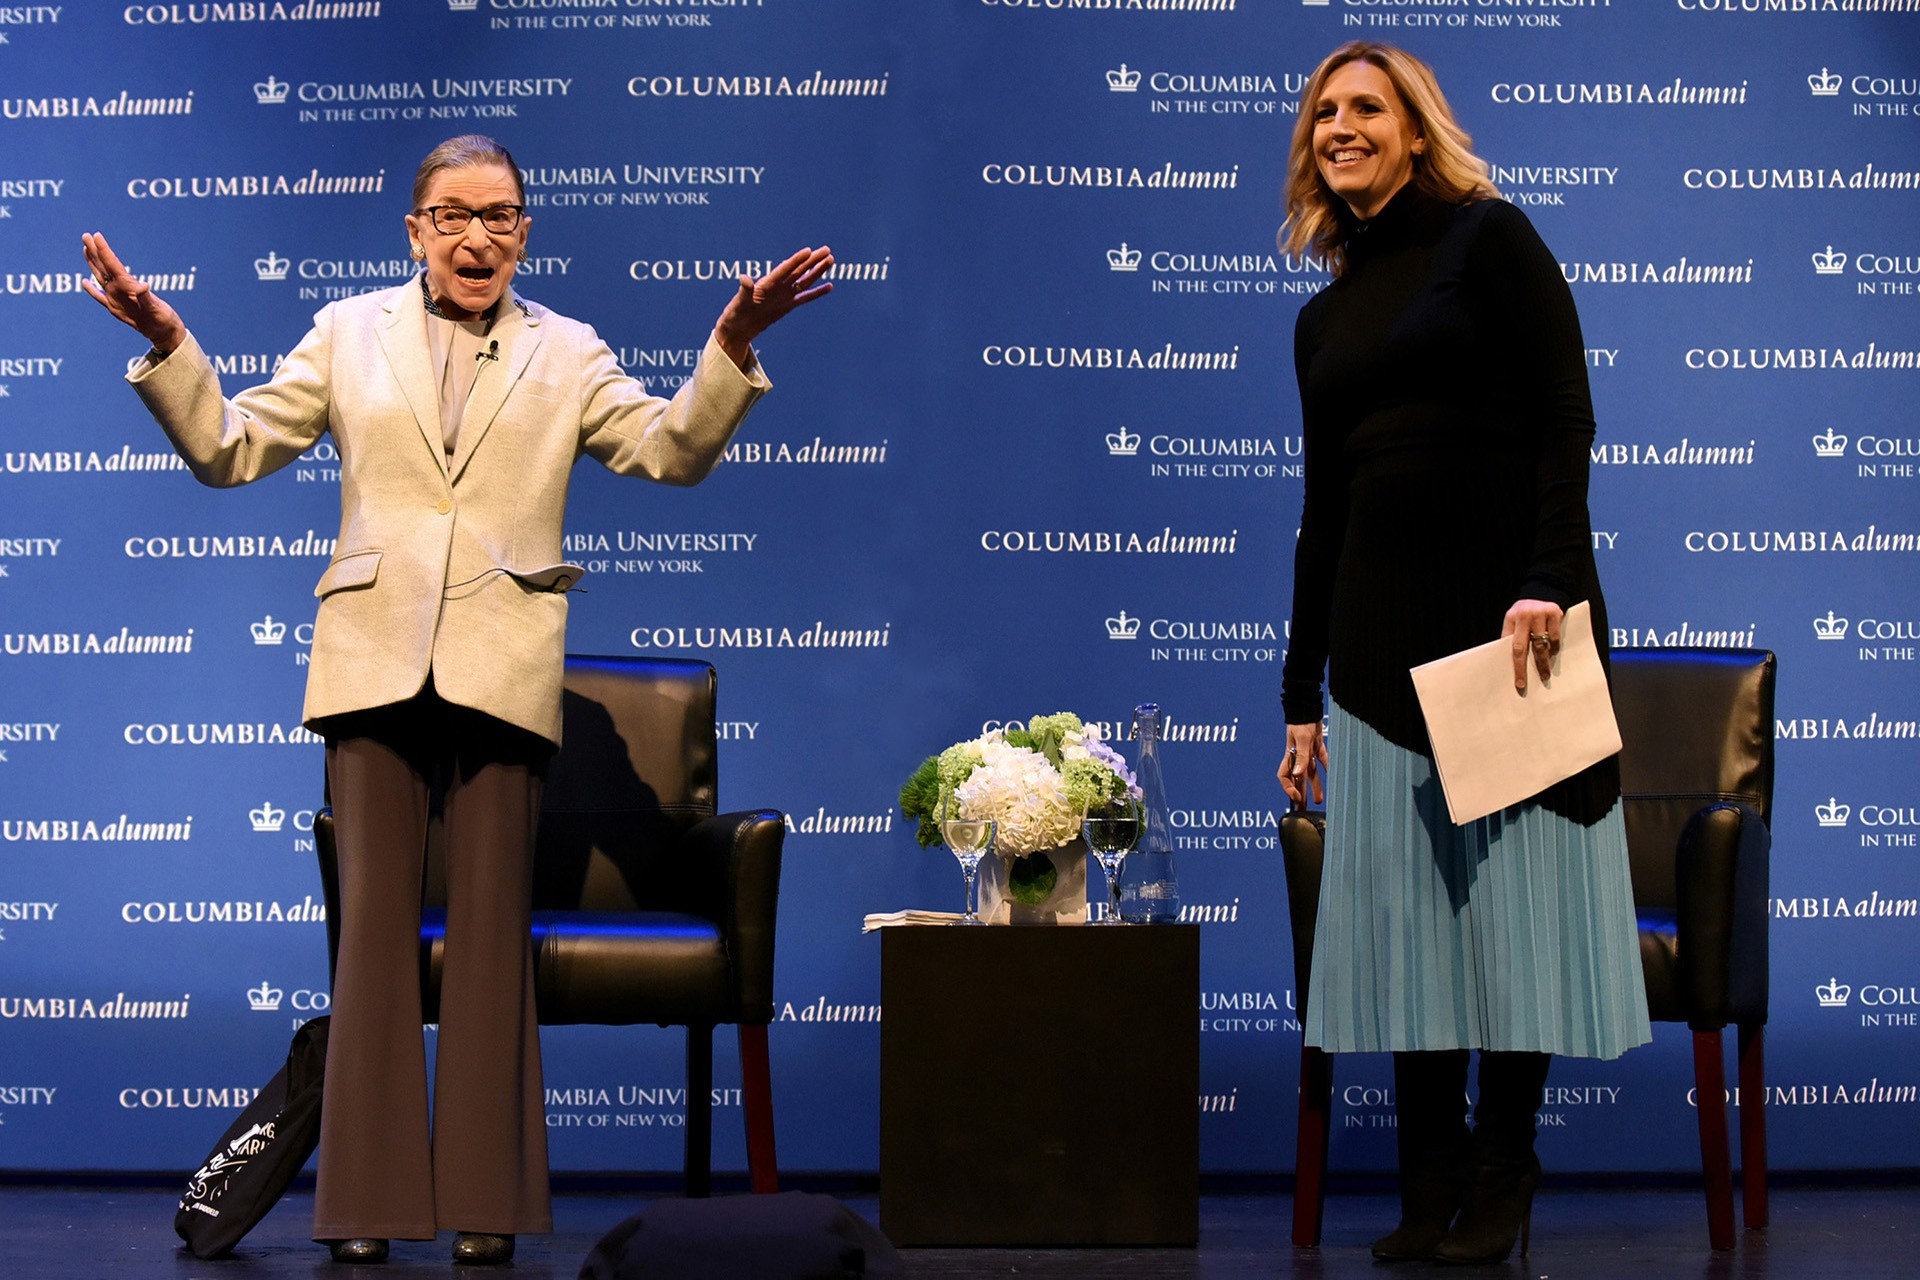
(1060, 346)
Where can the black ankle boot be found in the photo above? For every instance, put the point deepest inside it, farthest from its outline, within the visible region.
(1430, 1105)
(360, 1249)
(1499, 1206)
(476, 1248)
(1504, 1172)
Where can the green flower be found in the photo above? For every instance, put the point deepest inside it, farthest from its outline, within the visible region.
(1048, 732)
(956, 762)
(932, 782)
(1090, 785)
(920, 798)
(1059, 724)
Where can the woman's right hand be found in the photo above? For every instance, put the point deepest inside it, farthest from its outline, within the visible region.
(130, 300)
(1306, 763)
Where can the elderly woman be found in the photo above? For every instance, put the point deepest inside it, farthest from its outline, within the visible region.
(1447, 425)
(458, 409)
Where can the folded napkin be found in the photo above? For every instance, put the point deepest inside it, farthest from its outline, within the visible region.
(881, 919)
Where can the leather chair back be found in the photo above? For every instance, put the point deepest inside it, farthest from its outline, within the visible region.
(637, 768)
(1696, 727)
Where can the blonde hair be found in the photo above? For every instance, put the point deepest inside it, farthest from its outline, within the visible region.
(1317, 219)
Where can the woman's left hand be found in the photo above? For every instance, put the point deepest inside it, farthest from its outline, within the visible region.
(759, 303)
(1534, 625)
(1306, 764)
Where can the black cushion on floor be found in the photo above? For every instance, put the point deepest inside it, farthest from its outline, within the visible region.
(795, 1235)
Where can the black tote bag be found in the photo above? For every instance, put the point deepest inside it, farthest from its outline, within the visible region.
(259, 1154)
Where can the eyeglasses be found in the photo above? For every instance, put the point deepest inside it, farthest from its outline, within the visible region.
(452, 219)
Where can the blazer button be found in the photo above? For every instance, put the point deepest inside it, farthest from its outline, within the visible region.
(446, 505)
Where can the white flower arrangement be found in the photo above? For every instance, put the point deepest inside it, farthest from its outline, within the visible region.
(1035, 783)
(1024, 795)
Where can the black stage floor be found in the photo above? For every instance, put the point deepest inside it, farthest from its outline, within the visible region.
(1858, 1232)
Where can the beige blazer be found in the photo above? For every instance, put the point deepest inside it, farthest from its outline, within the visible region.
(449, 566)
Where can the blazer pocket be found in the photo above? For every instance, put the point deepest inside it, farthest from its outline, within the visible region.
(357, 569)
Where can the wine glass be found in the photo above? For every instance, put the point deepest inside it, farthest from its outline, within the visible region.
(1111, 831)
(970, 839)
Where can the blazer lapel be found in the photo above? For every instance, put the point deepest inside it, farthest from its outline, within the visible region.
(404, 339)
(518, 334)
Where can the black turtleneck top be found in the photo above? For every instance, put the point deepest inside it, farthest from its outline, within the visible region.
(1448, 425)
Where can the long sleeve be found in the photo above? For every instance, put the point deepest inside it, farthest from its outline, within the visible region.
(1526, 291)
(1316, 554)
(232, 442)
(677, 441)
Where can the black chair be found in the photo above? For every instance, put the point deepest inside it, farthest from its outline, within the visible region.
(647, 907)
(1697, 794)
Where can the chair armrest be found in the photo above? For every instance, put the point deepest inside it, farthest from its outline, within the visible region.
(1303, 849)
(1721, 880)
(743, 851)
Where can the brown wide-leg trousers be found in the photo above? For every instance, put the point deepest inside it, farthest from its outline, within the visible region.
(482, 1163)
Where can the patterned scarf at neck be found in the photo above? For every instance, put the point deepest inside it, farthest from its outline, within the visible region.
(433, 308)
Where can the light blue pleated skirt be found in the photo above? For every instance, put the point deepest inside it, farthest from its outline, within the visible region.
(1513, 932)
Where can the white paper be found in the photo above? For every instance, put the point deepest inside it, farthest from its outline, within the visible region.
(1493, 745)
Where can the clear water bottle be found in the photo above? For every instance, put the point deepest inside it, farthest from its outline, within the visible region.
(1149, 891)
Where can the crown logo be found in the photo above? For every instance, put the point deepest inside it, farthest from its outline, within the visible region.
(463, 6)
(270, 92)
(1824, 85)
(1830, 263)
(1832, 813)
(1123, 80)
(1123, 627)
(1123, 258)
(267, 631)
(271, 267)
(265, 999)
(267, 818)
(1830, 445)
(1831, 627)
(1833, 995)
(1123, 443)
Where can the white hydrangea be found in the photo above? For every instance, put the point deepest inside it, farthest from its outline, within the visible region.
(1023, 794)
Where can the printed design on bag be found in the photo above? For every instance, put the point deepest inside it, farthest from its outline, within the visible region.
(212, 1177)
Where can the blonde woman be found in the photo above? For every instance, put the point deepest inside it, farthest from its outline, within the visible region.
(1447, 426)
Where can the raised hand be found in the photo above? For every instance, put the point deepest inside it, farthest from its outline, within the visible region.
(130, 301)
(759, 303)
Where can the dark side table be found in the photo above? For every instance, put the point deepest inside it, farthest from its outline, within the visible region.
(1040, 1085)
